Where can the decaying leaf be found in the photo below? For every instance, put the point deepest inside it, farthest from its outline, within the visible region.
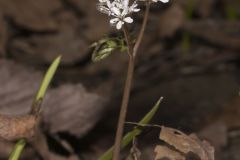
(71, 108)
(37, 17)
(67, 108)
(167, 153)
(183, 144)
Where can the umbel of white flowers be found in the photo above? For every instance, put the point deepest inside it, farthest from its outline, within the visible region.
(120, 10)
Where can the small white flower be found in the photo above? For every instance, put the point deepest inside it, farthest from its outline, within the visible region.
(163, 1)
(119, 9)
(103, 1)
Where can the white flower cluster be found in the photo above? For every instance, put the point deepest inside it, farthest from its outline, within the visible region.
(120, 10)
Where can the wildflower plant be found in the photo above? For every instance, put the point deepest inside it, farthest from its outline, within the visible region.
(120, 13)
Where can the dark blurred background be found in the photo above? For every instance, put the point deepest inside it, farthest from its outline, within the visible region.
(189, 55)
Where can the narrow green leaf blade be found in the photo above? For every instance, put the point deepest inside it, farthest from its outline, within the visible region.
(47, 79)
(19, 146)
(17, 150)
(135, 132)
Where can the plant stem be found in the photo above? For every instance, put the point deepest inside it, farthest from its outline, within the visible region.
(132, 51)
(141, 33)
(123, 112)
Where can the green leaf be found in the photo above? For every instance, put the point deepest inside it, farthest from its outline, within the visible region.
(102, 54)
(135, 132)
(111, 44)
(47, 79)
(105, 47)
(18, 148)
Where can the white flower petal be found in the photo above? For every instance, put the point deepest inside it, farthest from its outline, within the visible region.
(128, 20)
(133, 7)
(119, 25)
(136, 10)
(116, 11)
(103, 9)
(124, 12)
(125, 3)
(109, 5)
(103, 1)
(164, 1)
(114, 20)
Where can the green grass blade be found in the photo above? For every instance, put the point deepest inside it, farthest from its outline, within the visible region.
(135, 132)
(19, 146)
(47, 79)
(17, 150)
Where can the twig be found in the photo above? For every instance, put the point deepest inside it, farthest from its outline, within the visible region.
(144, 125)
(132, 51)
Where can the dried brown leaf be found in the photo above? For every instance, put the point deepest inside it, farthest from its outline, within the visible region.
(68, 108)
(187, 144)
(66, 42)
(34, 15)
(164, 152)
(71, 108)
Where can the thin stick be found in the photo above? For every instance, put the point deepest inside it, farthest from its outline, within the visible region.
(144, 125)
(132, 51)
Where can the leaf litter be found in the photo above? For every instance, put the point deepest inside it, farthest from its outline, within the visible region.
(18, 85)
(180, 146)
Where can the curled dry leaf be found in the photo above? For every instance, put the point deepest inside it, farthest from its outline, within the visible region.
(184, 145)
(13, 128)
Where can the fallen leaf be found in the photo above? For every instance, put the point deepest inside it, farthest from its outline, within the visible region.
(34, 15)
(164, 152)
(71, 108)
(68, 108)
(189, 146)
(46, 48)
